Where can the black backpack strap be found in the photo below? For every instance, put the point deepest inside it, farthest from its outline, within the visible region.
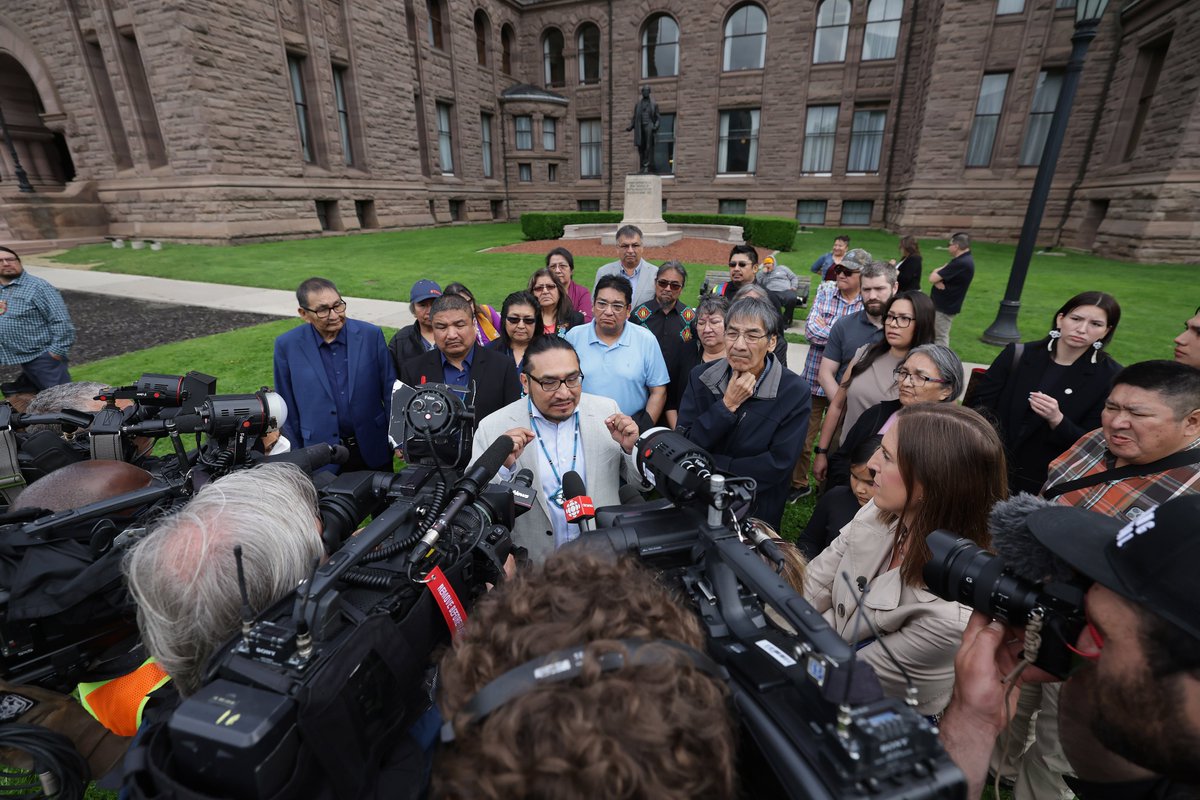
(1180, 459)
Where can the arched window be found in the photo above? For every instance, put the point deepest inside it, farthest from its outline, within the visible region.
(436, 24)
(507, 37)
(553, 68)
(833, 24)
(746, 38)
(660, 47)
(588, 44)
(483, 38)
(883, 29)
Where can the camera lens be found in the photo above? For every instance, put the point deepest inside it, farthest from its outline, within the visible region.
(960, 570)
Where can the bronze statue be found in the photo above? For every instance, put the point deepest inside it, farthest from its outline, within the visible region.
(644, 126)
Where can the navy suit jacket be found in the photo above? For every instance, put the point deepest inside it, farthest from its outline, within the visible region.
(312, 414)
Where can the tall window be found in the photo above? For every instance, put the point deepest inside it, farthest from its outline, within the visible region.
(437, 29)
(738, 148)
(1146, 69)
(987, 118)
(866, 141)
(883, 29)
(745, 38)
(820, 132)
(660, 47)
(296, 74)
(524, 128)
(445, 139)
(589, 148)
(485, 136)
(343, 112)
(588, 43)
(1045, 98)
(833, 25)
(507, 38)
(549, 134)
(1010, 6)
(483, 36)
(664, 145)
(553, 67)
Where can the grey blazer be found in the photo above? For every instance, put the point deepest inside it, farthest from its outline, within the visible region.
(603, 458)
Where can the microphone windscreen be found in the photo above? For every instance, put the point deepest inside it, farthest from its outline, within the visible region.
(494, 457)
(572, 485)
(340, 454)
(524, 477)
(1012, 540)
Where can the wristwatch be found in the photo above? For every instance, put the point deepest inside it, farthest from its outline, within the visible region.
(821, 451)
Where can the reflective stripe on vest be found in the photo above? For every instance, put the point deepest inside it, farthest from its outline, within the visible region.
(117, 704)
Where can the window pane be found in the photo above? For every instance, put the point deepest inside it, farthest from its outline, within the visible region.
(810, 212)
(434, 9)
(525, 172)
(589, 205)
(1045, 98)
(295, 70)
(880, 40)
(589, 54)
(485, 132)
(731, 206)
(589, 148)
(745, 39)
(857, 212)
(549, 134)
(664, 145)
(738, 149)
(866, 141)
(660, 47)
(524, 128)
(833, 25)
(1010, 6)
(554, 68)
(343, 111)
(820, 131)
(445, 140)
(987, 119)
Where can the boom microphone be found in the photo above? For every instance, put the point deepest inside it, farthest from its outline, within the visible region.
(1008, 523)
(578, 506)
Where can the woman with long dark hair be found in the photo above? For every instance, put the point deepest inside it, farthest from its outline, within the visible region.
(487, 319)
(1046, 394)
(555, 311)
(520, 326)
(938, 466)
(908, 268)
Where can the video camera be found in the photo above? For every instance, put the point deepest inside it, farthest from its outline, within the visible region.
(816, 716)
(315, 695)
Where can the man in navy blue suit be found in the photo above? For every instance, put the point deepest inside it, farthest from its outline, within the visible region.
(336, 376)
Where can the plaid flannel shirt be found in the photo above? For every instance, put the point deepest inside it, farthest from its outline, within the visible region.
(34, 321)
(829, 303)
(1123, 499)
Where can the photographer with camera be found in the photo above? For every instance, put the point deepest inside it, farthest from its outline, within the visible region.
(1130, 716)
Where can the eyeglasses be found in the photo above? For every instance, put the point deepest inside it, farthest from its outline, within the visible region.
(899, 320)
(673, 285)
(327, 311)
(840, 270)
(916, 378)
(604, 305)
(9, 260)
(514, 319)
(742, 264)
(545, 287)
(572, 381)
(751, 337)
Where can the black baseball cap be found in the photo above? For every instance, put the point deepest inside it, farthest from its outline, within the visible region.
(1152, 560)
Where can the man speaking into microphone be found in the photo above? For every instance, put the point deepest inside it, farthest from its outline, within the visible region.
(558, 429)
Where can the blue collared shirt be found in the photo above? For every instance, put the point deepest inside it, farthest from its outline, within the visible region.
(625, 371)
(335, 357)
(34, 320)
(458, 377)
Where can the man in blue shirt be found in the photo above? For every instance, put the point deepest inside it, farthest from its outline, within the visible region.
(35, 328)
(336, 376)
(619, 360)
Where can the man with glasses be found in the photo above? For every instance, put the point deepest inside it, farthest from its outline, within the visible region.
(459, 362)
(743, 267)
(835, 300)
(950, 283)
(336, 376)
(635, 269)
(673, 325)
(557, 429)
(624, 361)
(35, 328)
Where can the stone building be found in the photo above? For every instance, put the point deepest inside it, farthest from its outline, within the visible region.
(240, 120)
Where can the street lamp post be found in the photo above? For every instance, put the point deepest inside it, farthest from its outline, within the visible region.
(1004, 329)
(22, 178)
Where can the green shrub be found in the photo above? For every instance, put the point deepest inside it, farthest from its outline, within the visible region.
(540, 225)
(773, 233)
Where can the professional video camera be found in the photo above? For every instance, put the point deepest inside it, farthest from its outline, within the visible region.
(315, 695)
(817, 716)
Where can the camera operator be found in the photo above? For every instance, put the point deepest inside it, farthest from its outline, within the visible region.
(183, 577)
(638, 717)
(1129, 719)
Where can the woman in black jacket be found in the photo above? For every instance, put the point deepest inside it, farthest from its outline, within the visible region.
(908, 268)
(1044, 395)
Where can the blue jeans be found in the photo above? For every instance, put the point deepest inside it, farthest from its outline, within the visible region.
(46, 371)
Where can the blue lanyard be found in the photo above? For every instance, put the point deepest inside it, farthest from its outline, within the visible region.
(574, 450)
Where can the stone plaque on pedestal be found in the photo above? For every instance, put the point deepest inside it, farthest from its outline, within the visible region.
(643, 208)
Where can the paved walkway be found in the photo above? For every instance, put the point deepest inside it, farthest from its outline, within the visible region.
(254, 300)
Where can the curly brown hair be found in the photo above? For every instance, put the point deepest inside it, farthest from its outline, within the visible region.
(658, 730)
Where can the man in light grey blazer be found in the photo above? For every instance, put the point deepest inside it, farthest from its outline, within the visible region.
(558, 428)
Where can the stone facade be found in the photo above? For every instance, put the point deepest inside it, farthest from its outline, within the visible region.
(141, 118)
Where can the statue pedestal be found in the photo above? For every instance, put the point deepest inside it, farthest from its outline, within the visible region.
(643, 208)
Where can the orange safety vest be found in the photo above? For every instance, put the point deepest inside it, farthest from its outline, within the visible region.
(117, 704)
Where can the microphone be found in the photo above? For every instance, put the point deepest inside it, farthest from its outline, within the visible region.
(312, 458)
(578, 506)
(1008, 523)
(764, 543)
(467, 489)
(630, 493)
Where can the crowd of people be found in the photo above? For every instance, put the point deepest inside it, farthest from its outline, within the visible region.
(871, 421)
